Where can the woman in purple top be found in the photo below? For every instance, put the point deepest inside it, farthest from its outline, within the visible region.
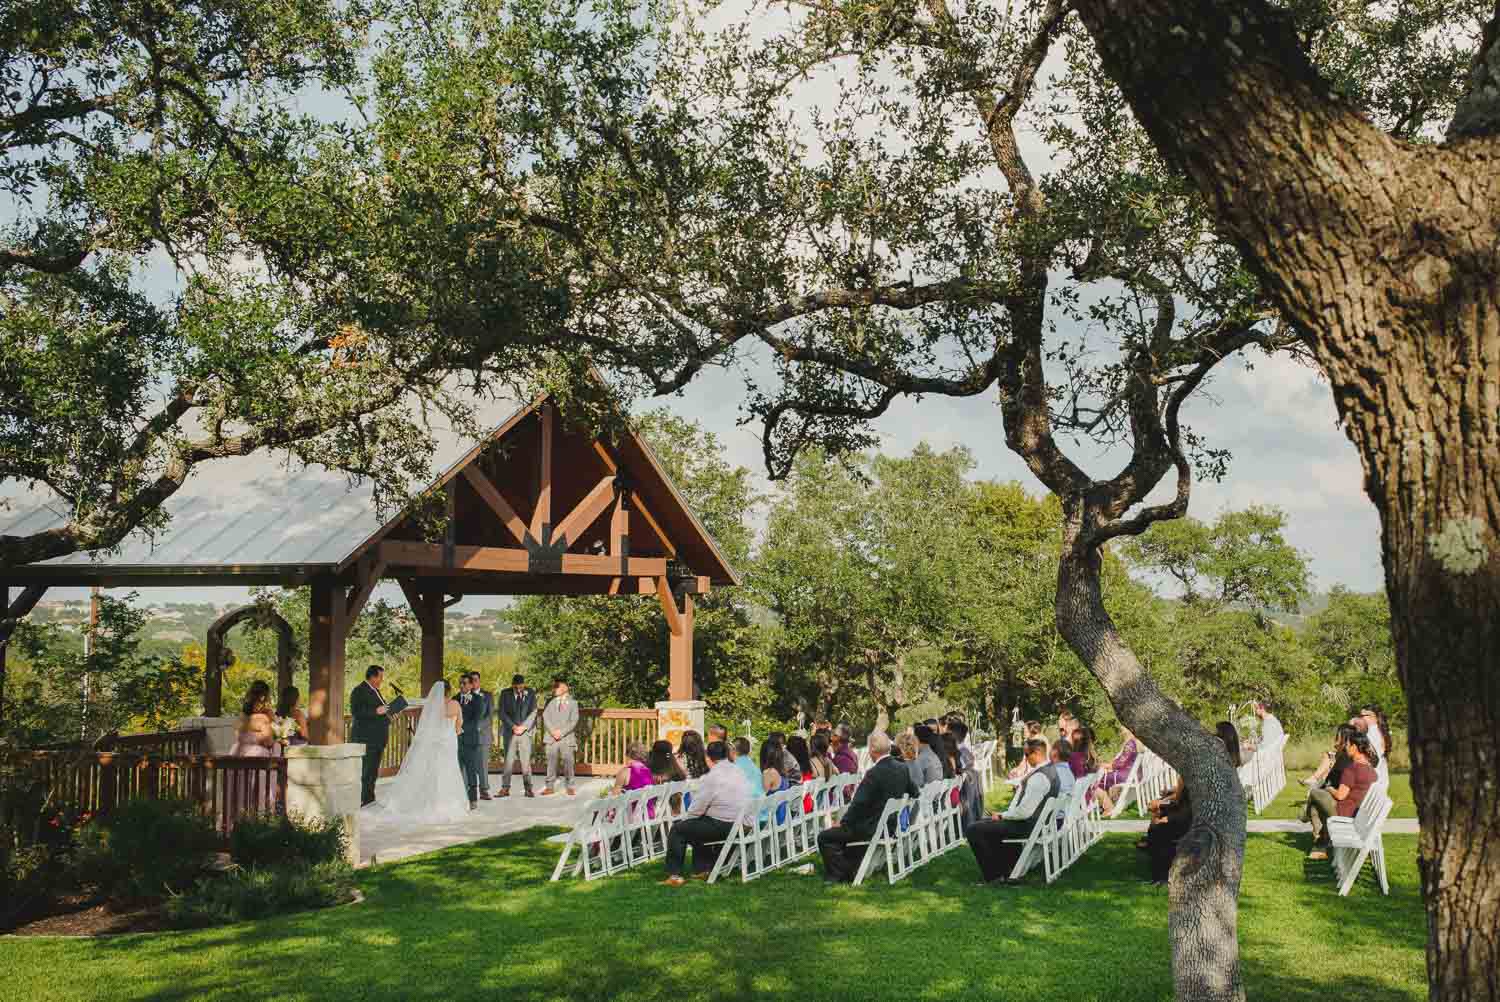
(636, 774)
(1082, 761)
(1117, 771)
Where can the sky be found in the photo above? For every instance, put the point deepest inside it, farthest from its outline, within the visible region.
(1277, 420)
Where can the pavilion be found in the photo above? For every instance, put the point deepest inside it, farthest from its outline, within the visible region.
(535, 506)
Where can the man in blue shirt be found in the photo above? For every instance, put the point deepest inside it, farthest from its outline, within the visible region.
(745, 764)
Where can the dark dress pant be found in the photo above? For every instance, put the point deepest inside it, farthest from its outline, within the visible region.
(996, 856)
(840, 859)
(698, 833)
(369, 771)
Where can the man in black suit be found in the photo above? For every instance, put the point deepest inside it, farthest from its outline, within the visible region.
(887, 778)
(371, 728)
(517, 728)
(470, 750)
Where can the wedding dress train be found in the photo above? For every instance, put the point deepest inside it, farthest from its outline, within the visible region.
(429, 789)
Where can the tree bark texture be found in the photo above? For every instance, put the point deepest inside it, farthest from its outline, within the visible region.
(1387, 255)
(1204, 883)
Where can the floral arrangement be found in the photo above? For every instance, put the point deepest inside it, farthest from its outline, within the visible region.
(283, 728)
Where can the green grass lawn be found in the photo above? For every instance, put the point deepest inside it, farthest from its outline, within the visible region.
(1288, 804)
(481, 920)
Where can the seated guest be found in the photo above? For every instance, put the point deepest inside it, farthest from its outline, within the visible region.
(905, 748)
(1333, 763)
(948, 745)
(885, 779)
(843, 750)
(665, 769)
(1082, 761)
(637, 774)
(960, 732)
(1065, 724)
(1173, 815)
(822, 761)
(796, 745)
(988, 839)
(1033, 733)
(1354, 780)
(715, 810)
(717, 732)
(1376, 730)
(1117, 771)
(690, 753)
(929, 757)
(1058, 758)
(745, 762)
(789, 767)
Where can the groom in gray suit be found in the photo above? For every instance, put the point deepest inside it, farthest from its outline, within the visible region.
(486, 733)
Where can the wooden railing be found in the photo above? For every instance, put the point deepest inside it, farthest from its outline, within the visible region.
(186, 742)
(603, 736)
(226, 786)
(403, 726)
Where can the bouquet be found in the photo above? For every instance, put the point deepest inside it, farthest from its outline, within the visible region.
(283, 729)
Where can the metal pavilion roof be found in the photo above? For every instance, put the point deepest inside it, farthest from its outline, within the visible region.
(244, 514)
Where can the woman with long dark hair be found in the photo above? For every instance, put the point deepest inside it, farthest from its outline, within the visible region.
(797, 745)
(254, 738)
(290, 705)
(1081, 762)
(930, 755)
(1355, 781)
(1231, 738)
(694, 759)
(821, 757)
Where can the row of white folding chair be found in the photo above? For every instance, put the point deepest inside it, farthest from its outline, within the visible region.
(913, 831)
(1356, 839)
(1157, 780)
(1264, 776)
(1076, 825)
(1129, 789)
(1034, 845)
(779, 828)
(618, 832)
(984, 762)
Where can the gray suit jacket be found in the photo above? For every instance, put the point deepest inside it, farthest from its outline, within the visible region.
(559, 718)
(486, 719)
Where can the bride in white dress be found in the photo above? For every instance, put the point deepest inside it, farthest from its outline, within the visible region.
(429, 789)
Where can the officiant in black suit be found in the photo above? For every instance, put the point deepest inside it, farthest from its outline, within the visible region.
(471, 751)
(371, 728)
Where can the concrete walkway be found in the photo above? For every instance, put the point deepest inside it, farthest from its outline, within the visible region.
(380, 842)
(1393, 826)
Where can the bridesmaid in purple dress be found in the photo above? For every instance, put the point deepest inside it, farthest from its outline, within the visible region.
(254, 739)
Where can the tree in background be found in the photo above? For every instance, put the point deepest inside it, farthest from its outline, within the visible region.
(613, 649)
(126, 690)
(1355, 661)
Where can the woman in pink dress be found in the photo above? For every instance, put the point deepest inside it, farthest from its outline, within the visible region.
(254, 739)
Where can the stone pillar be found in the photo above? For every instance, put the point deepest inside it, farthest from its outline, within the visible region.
(220, 732)
(322, 781)
(673, 716)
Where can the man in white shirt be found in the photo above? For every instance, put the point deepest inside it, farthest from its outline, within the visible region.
(1270, 727)
(717, 805)
(995, 855)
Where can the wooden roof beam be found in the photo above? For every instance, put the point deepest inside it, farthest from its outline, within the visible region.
(636, 502)
(583, 515)
(507, 560)
(501, 507)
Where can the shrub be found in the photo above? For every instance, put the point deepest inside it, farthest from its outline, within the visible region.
(36, 839)
(256, 892)
(146, 848)
(266, 839)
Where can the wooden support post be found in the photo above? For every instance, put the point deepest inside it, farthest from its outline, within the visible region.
(325, 661)
(541, 519)
(427, 607)
(10, 615)
(432, 638)
(213, 674)
(680, 677)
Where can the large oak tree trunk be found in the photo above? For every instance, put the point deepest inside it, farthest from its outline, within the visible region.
(1204, 883)
(1388, 256)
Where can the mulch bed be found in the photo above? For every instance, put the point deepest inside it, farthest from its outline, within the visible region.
(82, 915)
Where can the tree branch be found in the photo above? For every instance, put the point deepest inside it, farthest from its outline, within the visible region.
(1478, 111)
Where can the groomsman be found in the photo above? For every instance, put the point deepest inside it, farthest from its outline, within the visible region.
(517, 727)
(559, 720)
(486, 733)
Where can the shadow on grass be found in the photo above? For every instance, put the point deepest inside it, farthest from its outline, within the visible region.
(482, 920)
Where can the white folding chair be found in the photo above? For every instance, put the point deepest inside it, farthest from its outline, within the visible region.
(1130, 788)
(1356, 839)
(600, 839)
(885, 846)
(1033, 849)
